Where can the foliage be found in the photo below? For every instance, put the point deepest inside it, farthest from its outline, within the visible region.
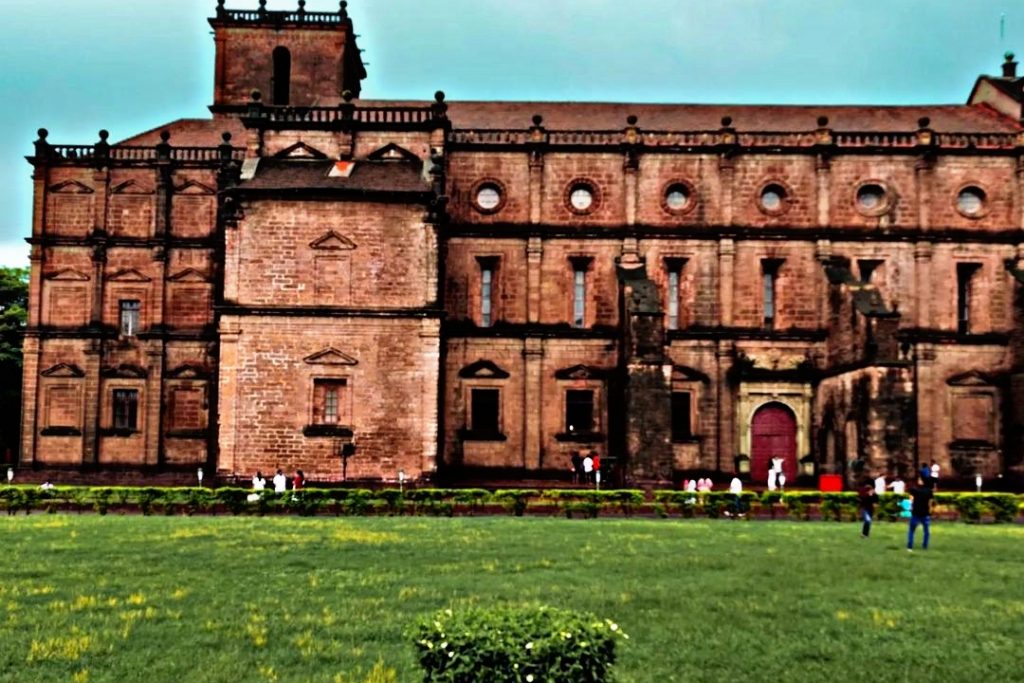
(888, 508)
(516, 500)
(511, 645)
(13, 318)
(839, 506)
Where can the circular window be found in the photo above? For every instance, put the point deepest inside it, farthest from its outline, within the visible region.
(870, 197)
(582, 197)
(488, 196)
(678, 198)
(971, 201)
(773, 198)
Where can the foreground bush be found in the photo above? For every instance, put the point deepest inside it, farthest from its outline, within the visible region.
(516, 644)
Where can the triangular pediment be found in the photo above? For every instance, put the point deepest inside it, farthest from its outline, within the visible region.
(127, 275)
(300, 150)
(67, 274)
(972, 378)
(189, 275)
(188, 371)
(125, 370)
(194, 187)
(71, 187)
(483, 369)
(130, 187)
(63, 370)
(330, 356)
(392, 152)
(683, 373)
(332, 241)
(581, 372)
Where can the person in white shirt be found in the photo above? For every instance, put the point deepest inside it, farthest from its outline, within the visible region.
(935, 474)
(691, 486)
(898, 486)
(280, 482)
(588, 469)
(258, 482)
(879, 484)
(736, 489)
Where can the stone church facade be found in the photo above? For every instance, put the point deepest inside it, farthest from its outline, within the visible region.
(474, 290)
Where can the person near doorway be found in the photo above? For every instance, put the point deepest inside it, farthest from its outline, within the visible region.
(577, 467)
(920, 511)
(280, 482)
(588, 469)
(596, 458)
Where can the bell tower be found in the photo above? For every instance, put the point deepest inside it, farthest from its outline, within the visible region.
(295, 58)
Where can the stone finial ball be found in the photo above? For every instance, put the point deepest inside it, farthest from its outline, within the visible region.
(822, 121)
(631, 119)
(923, 122)
(726, 121)
(1009, 56)
(537, 119)
(165, 135)
(43, 133)
(256, 95)
(104, 134)
(225, 136)
(439, 96)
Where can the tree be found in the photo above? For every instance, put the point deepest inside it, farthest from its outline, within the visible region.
(13, 318)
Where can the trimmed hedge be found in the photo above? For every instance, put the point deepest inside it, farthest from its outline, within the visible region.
(512, 645)
(588, 503)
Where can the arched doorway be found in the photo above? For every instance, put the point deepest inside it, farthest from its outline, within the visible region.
(773, 434)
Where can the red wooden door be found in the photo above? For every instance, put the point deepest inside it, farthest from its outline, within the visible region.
(773, 434)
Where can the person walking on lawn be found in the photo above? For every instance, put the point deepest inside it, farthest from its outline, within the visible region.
(867, 496)
(920, 511)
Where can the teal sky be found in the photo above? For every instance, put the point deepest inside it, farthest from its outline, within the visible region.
(75, 66)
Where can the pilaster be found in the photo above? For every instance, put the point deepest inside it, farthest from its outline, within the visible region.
(923, 283)
(726, 258)
(534, 260)
(533, 404)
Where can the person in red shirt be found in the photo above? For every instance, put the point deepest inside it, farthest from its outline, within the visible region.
(597, 462)
(299, 480)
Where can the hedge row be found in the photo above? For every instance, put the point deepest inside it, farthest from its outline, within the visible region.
(970, 507)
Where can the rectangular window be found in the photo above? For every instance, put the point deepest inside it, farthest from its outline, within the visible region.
(329, 401)
(486, 283)
(964, 276)
(579, 411)
(484, 411)
(770, 270)
(579, 297)
(681, 427)
(867, 269)
(126, 409)
(673, 298)
(130, 317)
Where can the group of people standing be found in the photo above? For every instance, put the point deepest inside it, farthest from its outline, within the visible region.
(280, 482)
(586, 467)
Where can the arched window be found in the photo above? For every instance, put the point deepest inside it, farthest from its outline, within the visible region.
(282, 82)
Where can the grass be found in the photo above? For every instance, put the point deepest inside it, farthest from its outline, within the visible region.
(118, 599)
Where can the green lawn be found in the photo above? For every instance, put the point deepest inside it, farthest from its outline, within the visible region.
(126, 598)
